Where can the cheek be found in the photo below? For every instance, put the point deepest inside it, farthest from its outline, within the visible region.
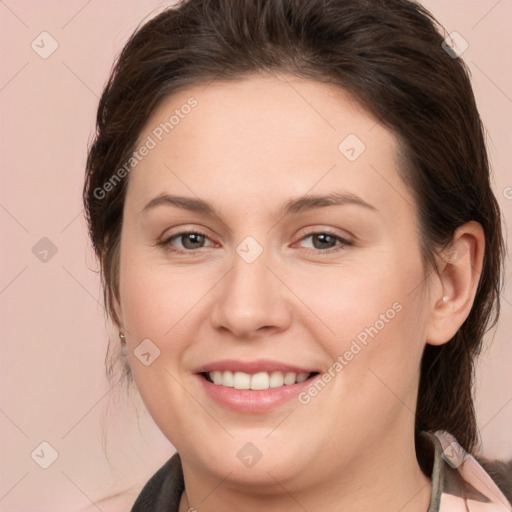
(371, 320)
(347, 300)
(158, 305)
(155, 298)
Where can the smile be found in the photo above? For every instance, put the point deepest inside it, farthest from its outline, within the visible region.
(253, 393)
(257, 381)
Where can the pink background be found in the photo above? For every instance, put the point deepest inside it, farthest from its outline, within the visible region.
(54, 336)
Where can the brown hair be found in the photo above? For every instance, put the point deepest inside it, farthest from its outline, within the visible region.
(388, 55)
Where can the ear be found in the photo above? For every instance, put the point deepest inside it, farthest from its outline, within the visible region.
(455, 283)
(117, 324)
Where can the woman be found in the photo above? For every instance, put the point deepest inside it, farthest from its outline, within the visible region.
(301, 249)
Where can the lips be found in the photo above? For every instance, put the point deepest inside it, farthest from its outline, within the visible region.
(253, 386)
(252, 367)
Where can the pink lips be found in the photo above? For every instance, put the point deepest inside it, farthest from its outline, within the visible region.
(246, 400)
(261, 365)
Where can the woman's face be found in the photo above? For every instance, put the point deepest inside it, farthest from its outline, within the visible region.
(307, 260)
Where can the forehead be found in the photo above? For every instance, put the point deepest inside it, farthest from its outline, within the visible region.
(261, 106)
(265, 136)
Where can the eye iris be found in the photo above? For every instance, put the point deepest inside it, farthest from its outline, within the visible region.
(324, 238)
(195, 238)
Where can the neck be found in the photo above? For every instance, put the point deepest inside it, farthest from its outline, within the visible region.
(386, 480)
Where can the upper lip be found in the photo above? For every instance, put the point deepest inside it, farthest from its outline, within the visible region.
(251, 367)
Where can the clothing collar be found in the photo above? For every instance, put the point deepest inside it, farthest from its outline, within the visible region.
(459, 483)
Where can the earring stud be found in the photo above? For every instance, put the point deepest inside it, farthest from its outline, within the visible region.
(124, 348)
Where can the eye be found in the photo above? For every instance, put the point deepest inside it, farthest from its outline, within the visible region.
(189, 241)
(322, 240)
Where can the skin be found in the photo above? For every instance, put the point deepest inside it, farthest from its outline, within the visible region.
(246, 148)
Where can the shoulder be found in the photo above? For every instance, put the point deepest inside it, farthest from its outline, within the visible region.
(162, 492)
(501, 472)
(459, 479)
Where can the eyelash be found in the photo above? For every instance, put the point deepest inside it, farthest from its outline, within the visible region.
(343, 242)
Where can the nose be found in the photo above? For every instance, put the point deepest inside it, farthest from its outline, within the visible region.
(251, 300)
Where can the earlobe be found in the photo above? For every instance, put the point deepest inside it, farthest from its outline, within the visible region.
(459, 271)
(118, 318)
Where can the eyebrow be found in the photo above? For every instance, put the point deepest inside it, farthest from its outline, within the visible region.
(291, 206)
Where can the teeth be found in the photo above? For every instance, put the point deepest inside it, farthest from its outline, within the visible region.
(256, 381)
(227, 379)
(241, 380)
(302, 377)
(260, 381)
(276, 379)
(216, 377)
(289, 378)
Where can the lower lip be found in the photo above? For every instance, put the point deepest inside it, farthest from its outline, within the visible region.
(249, 401)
